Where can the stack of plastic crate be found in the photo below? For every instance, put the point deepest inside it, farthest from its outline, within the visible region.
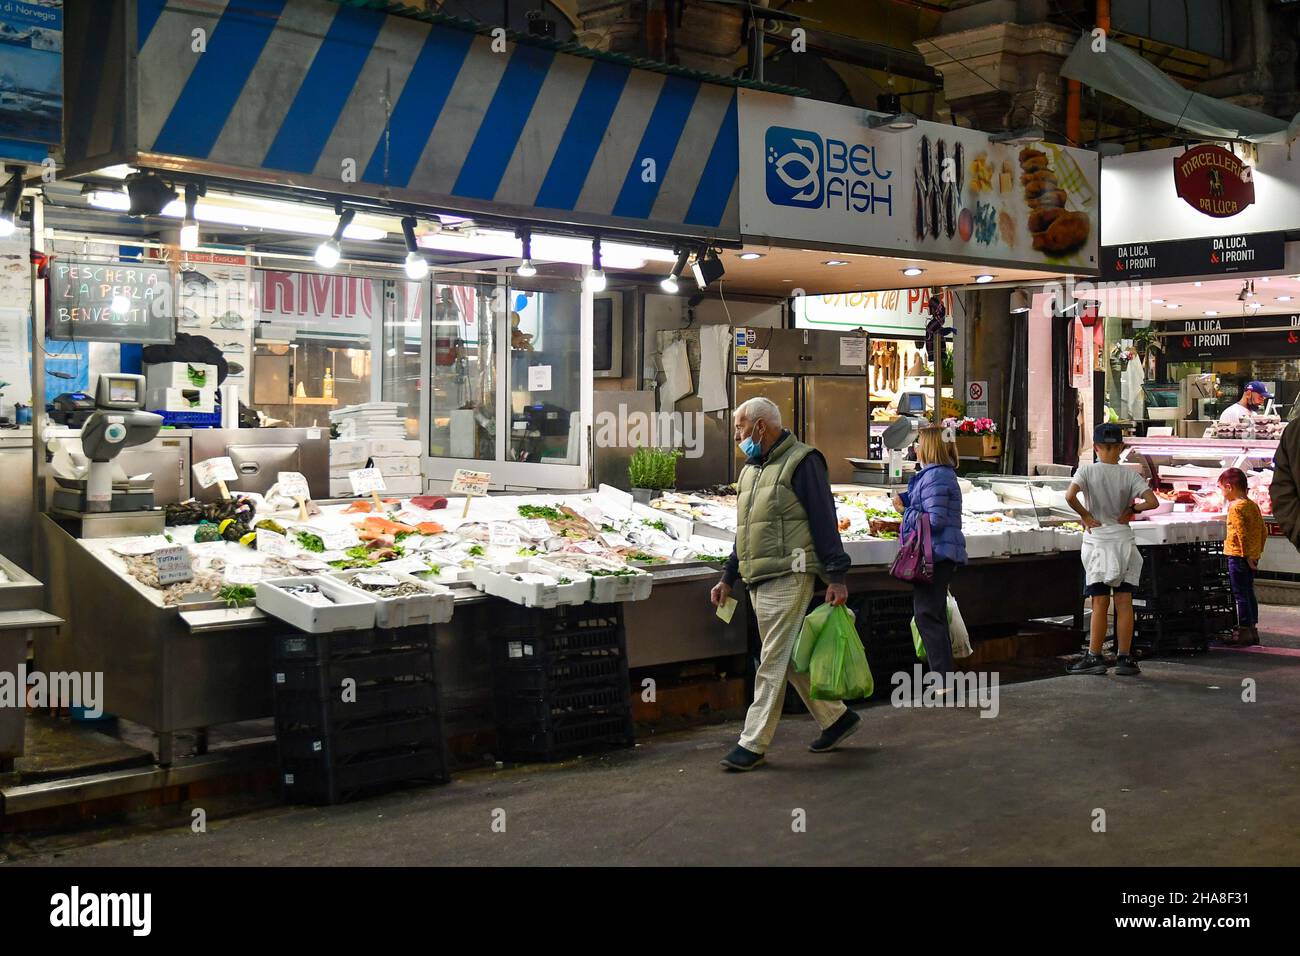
(1184, 599)
(560, 680)
(355, 712)
(885, 626)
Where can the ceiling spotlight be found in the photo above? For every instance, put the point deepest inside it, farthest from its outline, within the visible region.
(895, 123)
(190, 224)
(913, 271)
(669, 283)
(596, 276)
(526, 267)
(329, 252)
(1211, 311)
(1197, 284)
(707, 268)
(13, 195)
(1019, 301)
(1019, 137)
(836, 262)
(149, 194)
(1157, 301)
(416, 266)
(750, 255)
(981, 279)
(1172, 305)
(1264, 278)
(1284, 298)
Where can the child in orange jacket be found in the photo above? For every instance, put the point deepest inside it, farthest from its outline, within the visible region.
(1243, 547)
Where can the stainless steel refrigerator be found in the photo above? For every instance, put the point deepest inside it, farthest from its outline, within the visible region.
(817, 379)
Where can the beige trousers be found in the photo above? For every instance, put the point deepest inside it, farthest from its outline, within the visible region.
(780, 605)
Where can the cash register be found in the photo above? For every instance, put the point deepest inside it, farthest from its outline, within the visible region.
(91, 482)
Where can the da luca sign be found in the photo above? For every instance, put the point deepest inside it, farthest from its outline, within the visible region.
(1208, 256)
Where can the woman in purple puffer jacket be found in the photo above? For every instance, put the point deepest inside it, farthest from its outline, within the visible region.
(934, 491)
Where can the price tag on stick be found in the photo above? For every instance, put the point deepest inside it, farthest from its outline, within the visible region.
(469, 484)
(215, 471)
(294, 485)
(368, 481)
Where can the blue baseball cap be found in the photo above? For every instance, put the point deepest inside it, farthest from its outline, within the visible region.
(1107, 433)
(1259, 388)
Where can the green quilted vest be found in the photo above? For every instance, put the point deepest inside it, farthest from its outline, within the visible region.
(771, 523)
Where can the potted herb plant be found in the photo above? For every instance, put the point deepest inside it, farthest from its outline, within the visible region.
(652, 471)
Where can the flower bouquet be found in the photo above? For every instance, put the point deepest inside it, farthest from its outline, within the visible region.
(976, 437)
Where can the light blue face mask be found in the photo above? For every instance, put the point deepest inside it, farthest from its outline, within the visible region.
(751, 448)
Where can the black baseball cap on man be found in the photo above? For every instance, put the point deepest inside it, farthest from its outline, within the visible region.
(1107, 433)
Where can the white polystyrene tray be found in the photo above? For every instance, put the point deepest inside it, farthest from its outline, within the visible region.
(352, 610)
(872, 550)
(986, 545)
(433, 607)
(613, 588)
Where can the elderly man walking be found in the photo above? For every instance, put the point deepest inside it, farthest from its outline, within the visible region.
(787, 536)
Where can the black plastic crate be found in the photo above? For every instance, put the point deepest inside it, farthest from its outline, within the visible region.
(298, 646)
(514, 621)
(309, 708)
(567, 737)
(564, 674)
(385, 734)
(541, 649)
(323, 781)
(515, 709)
(328, 676)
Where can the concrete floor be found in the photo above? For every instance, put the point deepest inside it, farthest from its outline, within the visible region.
(1187, 773)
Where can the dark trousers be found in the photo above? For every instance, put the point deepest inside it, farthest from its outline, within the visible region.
(930, 605)
(1242, 579)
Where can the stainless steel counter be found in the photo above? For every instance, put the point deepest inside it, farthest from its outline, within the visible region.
(20, 616)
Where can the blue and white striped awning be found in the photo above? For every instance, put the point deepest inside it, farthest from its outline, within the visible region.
(299, 91)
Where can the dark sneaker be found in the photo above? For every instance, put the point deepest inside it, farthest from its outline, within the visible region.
(1125, 666)
(1090, 663)
(1249, 636)
(742, 759)
(836, 733)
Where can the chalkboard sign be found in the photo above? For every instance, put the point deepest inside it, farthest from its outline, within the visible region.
(83, 296)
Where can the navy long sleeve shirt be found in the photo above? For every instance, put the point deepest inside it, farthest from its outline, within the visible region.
(812, 486)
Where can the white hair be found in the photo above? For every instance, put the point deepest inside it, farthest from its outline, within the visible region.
(761, 410)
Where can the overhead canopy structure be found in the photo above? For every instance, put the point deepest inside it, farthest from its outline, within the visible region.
(1125, 75)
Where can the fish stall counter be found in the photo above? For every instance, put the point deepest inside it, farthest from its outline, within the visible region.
(1019, 542)
(172, 606)
(1184, 473)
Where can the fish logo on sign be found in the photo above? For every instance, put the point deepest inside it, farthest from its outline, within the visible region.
(795, 161)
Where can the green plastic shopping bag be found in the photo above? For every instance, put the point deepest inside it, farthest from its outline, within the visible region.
(830, 652)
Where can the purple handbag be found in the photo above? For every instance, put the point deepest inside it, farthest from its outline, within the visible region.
(915, 561)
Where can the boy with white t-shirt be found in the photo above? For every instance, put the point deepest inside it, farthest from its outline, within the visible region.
(1110, 555)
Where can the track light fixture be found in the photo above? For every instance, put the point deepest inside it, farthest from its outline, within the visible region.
(329, 252)
(526, 267)
(417, 267)
(669, 283)
(596, 277)
(148, 193)
(708, 267)
(190, 224)
(1019, 301)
